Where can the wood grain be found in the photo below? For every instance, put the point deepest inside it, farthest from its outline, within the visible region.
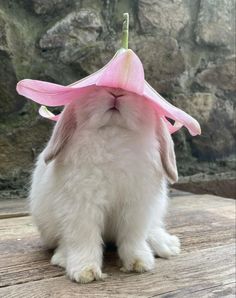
(205, 268)
(13, 208)
(185, 274)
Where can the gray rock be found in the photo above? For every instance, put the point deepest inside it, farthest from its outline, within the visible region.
(215, 25)
(10, 101)
(222, 184)
(199, 105)
(164, 63)
(220, 75)
(216, 117)
(63, 41)
(167, 17)
(3, 37)
(21, 141)
(42, 7)
(219, 136)
(74, 36)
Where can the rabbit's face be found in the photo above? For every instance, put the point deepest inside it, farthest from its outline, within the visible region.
(115, 107)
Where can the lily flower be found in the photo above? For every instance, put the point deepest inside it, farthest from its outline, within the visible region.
(125, 71)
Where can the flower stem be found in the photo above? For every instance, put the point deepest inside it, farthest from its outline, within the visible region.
(125, 31)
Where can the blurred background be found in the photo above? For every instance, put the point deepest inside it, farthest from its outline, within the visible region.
(188, 51)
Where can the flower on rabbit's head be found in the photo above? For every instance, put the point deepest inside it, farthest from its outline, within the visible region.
(124, 71)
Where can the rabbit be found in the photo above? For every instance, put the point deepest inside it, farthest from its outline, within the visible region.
(102, 177)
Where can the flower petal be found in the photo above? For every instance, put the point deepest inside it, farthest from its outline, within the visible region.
(50, 94)
(93, 78)
(173, 128)
(87, 81)
(167, 109)
(44, 112)
(124, 71)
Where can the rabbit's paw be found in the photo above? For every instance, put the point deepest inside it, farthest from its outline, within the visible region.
(59, 258)
(139, 264)
(87, 275)
(164, 245)
(136, 259)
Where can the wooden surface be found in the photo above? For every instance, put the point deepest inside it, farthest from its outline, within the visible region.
(205, 268)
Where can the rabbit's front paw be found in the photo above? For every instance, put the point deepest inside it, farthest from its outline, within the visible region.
(86, 275)
(163, 244)
(136, 260)
(137, 265)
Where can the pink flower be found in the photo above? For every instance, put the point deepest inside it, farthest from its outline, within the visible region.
(124, 71)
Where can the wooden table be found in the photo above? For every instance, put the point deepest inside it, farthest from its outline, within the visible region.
(205, 268)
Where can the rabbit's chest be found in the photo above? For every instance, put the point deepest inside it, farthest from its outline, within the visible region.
(112, 165)
(115, 156)
(115, 162)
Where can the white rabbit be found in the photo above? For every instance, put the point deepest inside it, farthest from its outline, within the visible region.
(103, 177)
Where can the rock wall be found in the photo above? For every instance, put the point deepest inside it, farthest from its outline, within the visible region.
(187, 48)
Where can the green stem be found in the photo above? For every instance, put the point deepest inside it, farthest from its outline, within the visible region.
(125, 31)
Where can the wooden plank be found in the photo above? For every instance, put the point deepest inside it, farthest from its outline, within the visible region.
(224, 290)
(16, 228)
(205, 225)
(205, 202)
(221, 184)
(198, 228)
(176, 193)
(13, 208)
(202, 221)
(182, 276)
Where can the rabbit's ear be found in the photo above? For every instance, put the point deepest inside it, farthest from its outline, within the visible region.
(167, 152)
(62, 133)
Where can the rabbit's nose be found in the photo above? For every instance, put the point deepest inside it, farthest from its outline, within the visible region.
(115, 101)
(114, 105)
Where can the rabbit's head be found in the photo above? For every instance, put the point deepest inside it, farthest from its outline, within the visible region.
(112, 107)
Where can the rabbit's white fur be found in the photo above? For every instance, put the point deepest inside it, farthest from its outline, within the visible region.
(102, 177)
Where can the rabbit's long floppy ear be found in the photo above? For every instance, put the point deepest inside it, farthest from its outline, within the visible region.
(167, 152)
(62, 133)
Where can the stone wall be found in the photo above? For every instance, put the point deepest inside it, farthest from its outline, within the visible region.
(187, 48)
